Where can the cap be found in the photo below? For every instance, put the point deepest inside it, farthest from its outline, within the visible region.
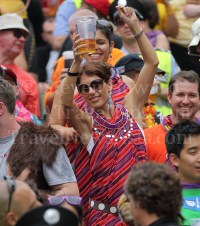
(10, 72)
(138, 7)
(196, 38)
(101, 6)
(12, 20)
(131, 62)
(48, 215)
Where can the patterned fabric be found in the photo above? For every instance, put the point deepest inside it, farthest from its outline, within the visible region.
(118, 146)
(22, 112)
(152, 36)
(83, 174)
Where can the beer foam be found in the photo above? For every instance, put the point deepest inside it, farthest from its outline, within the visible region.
(68, 55)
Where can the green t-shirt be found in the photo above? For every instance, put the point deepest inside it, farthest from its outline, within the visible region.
(191, 202)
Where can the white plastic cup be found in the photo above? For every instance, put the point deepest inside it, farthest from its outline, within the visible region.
(68, 57)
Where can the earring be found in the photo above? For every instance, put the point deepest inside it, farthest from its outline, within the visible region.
(110, 57)
(109, 101)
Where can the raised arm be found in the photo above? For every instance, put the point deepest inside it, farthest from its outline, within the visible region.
(78, 119)
(135, 99)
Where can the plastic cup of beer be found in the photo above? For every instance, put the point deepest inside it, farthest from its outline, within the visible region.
(86, 28)
(68, 57)
(195, 222)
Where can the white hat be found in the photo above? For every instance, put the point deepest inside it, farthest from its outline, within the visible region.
(10, 21)
(196, 39)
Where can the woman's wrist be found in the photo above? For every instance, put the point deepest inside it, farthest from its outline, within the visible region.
(136, 29)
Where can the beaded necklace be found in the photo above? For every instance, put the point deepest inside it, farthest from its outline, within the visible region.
(119, 124)
(167, 123)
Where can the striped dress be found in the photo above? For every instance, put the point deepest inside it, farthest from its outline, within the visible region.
(83, 173)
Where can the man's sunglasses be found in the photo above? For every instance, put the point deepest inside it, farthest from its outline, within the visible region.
(18, 33)
(57, 200)
(105, 23)
(11, 188)
(97, 84)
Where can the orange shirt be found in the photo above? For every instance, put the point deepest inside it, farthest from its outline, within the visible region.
(59, 65)
(155, 143)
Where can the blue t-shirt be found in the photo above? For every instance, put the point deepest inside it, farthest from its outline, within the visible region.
(65, 10)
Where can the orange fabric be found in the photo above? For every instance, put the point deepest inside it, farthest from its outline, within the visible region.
(155, 143)
(59, 65)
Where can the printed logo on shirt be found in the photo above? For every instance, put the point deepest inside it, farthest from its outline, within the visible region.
(192, 203)
(120, 70)
(3, 156)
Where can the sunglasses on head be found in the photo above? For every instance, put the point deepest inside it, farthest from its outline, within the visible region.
(105, 23)
(57, 200)
(11, 188)
(18, 33)
(85, 88)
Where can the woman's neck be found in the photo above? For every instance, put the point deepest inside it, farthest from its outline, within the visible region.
(108, 113)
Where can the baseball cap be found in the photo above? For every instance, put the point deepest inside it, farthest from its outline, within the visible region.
(132, 62)
(11, 21)
(48, 215)
(138, 7)
(196, 38)
(101, 6)
(10, 72)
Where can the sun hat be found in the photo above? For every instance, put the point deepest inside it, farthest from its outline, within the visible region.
(11, 21)
(196, 38)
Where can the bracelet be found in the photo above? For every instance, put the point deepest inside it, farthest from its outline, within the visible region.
(72, 74)
(138, 35)
(170, 10)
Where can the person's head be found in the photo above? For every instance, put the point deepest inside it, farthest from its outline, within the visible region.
(94, 83)
(183, 95)
(48, 27)
(153, 189)
(81, 12)
(194, 47)
(71, 203)
(16, 198)
(152, 14)
(13, 35)
(48, 215)
(122, 28)
(11, 77)
(99, 7)
(183, 146)
(7, 99)
(131, 65)
(104, 42)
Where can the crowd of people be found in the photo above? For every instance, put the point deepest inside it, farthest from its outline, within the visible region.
(112, 139)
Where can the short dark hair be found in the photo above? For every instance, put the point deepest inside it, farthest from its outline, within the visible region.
(152, 12)
(106, 31)
(102, 70)
(7, 95)
(189, 76)
(157, 188)
(176, 136)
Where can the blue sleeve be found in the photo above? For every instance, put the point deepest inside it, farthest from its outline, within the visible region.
(65, 10)
(175, 67)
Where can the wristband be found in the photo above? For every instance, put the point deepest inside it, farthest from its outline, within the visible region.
(72, 74)
(138, 35)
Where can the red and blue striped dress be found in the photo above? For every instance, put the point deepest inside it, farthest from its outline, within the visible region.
(85, 164)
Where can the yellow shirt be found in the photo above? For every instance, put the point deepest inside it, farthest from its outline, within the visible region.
(13, 6)
(162, 12)
(185, 25)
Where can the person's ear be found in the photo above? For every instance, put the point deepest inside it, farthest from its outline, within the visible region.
(111, 46)
(11, 218)
(174, 159)
(17, 91)
(2, 108)
(169, 97)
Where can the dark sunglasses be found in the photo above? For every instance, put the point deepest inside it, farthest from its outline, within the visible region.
(18, 33)
(11, 188)
(105, 23)
(85, 88)
(57, 200)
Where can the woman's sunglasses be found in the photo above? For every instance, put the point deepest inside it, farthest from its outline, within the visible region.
(57, 200)
(97, 84)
